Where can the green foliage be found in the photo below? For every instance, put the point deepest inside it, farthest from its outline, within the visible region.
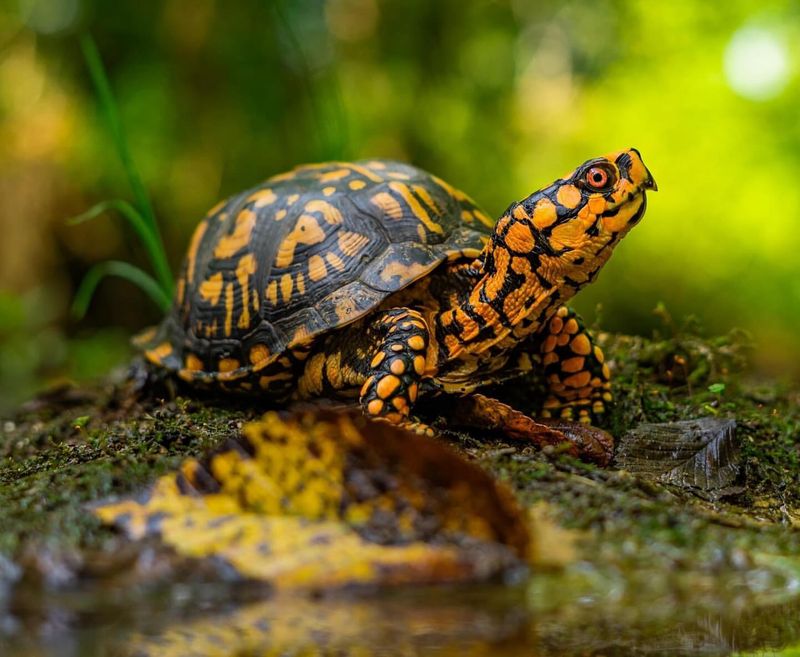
(497, 98)
(123, 270)
(141, 218)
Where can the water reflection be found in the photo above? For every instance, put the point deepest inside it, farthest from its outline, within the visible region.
(550, 617)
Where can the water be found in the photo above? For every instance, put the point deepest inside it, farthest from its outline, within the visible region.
(579, 612)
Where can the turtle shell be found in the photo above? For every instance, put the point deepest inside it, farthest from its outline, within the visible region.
(306, 252)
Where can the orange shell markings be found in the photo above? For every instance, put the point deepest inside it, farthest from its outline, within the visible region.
(159, 353)
(228, 365)
(258, 354)
(228, 245)
(193, 363)
(211, 288)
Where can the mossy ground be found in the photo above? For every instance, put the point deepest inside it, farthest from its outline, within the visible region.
(75, 446)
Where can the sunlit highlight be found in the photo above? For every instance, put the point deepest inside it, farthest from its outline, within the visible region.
(756, 63)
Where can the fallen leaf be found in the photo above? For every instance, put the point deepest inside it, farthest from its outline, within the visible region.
(329, 500)
(703, 454)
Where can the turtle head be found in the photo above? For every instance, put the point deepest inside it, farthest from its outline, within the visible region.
(576, 221)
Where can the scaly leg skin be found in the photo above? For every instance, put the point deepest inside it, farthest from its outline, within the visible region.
(575, 371)
(396, 367)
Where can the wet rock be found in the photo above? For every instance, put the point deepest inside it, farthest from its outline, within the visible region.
(702, 454)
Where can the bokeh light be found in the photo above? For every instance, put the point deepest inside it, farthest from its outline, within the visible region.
(757, 63)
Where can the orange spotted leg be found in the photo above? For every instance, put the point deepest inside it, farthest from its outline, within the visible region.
(396, 367)
(575, 371)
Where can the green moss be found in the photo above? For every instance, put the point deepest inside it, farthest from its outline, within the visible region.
(80, 446)
(72, 450)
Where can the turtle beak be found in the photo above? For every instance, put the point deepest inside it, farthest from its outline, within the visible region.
(650, 182)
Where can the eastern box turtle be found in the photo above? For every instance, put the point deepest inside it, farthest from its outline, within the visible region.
(378, 282)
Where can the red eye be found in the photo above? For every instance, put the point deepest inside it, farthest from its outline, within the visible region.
(597, 177)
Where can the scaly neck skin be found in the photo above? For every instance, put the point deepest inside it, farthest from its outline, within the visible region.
(542, 251)
(508, 303)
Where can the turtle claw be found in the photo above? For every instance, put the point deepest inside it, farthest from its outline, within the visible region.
(593, 445)
(580, 440)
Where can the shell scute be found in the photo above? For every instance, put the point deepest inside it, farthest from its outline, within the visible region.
(304, 253)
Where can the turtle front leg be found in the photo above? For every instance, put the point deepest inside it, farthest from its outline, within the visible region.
(575, 371)
(396, 366)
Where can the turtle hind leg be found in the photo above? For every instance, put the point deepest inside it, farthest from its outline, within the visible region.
(575, 371)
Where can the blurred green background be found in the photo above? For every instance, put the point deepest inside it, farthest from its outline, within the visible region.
(498, 97)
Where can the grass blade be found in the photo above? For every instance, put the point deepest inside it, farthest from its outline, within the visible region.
(134, 218)
(138, 277)
(153, 242)
(328, 114)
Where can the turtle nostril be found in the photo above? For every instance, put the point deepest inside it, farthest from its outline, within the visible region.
(649, 182)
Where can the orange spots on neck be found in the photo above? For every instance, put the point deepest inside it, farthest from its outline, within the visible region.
(619, 221)
(569, 196)
(519, 237)
(520, 213)
(568, 235)
(596, 204)
(544, 214)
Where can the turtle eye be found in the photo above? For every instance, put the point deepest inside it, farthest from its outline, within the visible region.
(598, 177)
